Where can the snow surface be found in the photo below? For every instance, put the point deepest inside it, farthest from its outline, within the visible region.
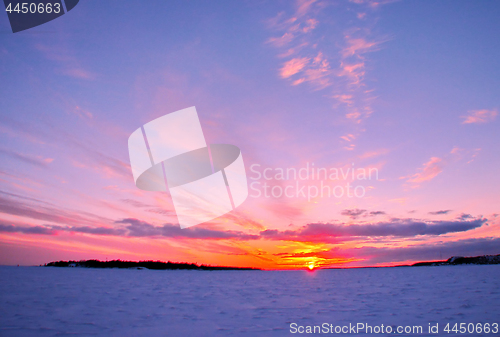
(50, 301)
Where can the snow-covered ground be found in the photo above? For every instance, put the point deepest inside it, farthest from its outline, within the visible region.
(37, 301)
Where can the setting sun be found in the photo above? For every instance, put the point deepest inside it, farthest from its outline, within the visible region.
(311, 266)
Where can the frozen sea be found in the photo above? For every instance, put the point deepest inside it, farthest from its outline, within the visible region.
(49, 301)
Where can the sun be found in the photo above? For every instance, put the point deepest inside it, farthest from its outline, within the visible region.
(311, 266)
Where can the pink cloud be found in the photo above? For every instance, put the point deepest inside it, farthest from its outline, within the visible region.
(304, 6)
(344, 98)
(428, 172)
(372, 3)
(357, 46)
(318, 77)
(436, 165)
(373, 154)
(79, 73)
(354, 72)
(297, 82)
(282, 40)
(480, 116)
(292, 51)
(353, 115)
(302, 47)
(349, 137)
(317, 72)
(69, 62)
(293, 66)
(467, 154)
(82, 113)
(310, 25)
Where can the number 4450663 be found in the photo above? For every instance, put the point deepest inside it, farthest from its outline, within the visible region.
(34, 8)
(472, 328)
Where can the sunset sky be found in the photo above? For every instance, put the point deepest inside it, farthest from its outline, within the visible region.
(408, 89)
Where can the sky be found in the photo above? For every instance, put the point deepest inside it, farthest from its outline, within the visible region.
(404, 95)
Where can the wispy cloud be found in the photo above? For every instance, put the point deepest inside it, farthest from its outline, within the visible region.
(53, 229)
(89, 155)
(293, 66)
(39, 210)
(137, 228)
(281, 40)
(440, 212)
(313, 232)
(319, 232)
(103, 164)
(304, 6)
(133, 228)
(82, 113)
(465, 216)
(79, 73)
(357, 46)
(353, 213)
(338, 65)
(69, 64)
(428, 172)
(480, 116)
(9, 228)
(435, 165)
(29, 159)
(373, 154)
(425, 252)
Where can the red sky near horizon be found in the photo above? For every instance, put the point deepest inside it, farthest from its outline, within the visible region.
(406, 92)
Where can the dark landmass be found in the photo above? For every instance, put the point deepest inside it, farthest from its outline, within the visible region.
(452, 261)
(155, 265)
(457, 260)
(159, 265)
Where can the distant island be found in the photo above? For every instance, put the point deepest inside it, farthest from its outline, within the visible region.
(458, 260)
(155, 265)
(452, 261)
(160, 265)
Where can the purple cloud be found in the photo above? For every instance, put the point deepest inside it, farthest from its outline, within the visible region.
(440, 212)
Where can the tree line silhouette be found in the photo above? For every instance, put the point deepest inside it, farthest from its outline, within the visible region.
(155, 265)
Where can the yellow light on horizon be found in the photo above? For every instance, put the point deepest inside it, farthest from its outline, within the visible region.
(311, 266)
